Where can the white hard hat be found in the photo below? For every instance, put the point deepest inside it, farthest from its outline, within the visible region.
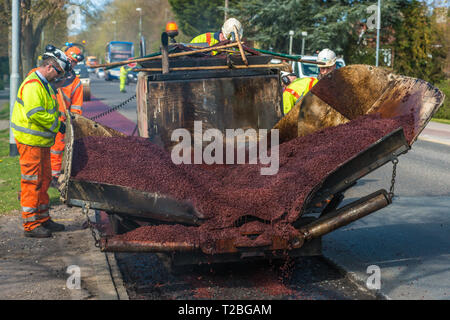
(228, 28)
(59, 55)
(328, 57)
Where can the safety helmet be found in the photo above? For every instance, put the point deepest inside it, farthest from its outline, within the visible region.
(328, 57)
(285, 77)
(61, 58)
(74, 53)
(228, 29)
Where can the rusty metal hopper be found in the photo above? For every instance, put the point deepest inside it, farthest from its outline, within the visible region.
(112, 198)
(357, 90)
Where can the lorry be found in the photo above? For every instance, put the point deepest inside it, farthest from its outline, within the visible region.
(224, 92)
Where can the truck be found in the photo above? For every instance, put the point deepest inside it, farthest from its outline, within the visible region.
(224, 93)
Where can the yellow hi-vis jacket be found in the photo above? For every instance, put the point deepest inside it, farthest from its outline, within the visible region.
(35, 115)
(296, 91)
(210, 38)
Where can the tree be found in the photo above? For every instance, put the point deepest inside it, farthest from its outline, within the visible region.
(100, 29)
(198, 16)
(330, 24)
(35, 14)
(420, 46)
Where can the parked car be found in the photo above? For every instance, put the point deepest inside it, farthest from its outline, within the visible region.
(82, 72)
(303, 69)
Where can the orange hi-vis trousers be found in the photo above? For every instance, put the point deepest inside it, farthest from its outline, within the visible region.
(35, 180)
(56, 154)
(71, 97)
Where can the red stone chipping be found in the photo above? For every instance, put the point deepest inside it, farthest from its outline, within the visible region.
(230, 194)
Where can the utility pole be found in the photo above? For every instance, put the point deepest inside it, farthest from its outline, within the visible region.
(14, 77)
(226, 11)
(378, 32)
(140, 22)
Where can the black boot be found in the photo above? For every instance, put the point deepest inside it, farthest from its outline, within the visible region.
(53, 226)
(38, 232)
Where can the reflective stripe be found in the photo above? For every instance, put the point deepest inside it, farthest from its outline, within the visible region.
(29, 177)
(54, 125)
(43, 207)
(208, 38)
(56, 152)
(311, 83)
(56, 171)
(29, 209)
(52, 111)
(73, 91)
(35, 110)
(33, 132)
(295, 94)
(37, 216)
(20, 101)
(65, 96)
(76, 108)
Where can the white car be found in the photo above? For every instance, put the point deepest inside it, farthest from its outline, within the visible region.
(100, 73)
(303, 69)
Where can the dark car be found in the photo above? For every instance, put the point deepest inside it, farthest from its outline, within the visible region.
(132, 76)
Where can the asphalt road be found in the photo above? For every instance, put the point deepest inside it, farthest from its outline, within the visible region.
(409, 240)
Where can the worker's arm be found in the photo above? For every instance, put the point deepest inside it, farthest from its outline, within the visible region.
(76, 97)
(32, 97)
(199, 39)
(288, 102)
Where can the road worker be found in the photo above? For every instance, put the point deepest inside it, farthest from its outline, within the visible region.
(226, 33)
(35, 123)
(328, 57)
(295, 89)
(123, 77)
(70, 97)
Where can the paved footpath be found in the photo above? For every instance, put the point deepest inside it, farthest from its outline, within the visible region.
(436, 132)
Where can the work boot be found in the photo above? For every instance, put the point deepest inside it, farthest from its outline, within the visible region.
(38, 232)
(53, 226)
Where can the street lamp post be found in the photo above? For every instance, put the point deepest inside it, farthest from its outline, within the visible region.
(304, 35)
(378, 32)
(140, 21)
(114, 23)
(14, 79)
(291, 36)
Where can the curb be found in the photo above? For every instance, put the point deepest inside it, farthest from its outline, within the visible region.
(108, 277)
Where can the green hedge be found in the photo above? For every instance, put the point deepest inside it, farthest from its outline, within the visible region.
(444, 110)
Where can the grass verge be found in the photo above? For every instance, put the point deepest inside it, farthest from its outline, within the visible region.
(4, 111)
(444, 111)
(10, 178)
(446, 121)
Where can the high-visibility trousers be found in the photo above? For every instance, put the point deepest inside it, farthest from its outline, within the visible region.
(123, 81)
(56, 154)
(34, 183)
